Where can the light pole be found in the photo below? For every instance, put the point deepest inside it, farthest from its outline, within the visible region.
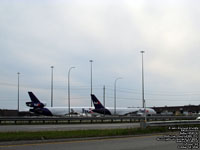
(142, 52)
(18, 93)
(91, 80)
(115, 95)
(104, 98)
(143, 100)
(52, 86)
(69, 89)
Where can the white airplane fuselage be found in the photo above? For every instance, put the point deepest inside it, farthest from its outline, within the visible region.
(60, 111)
(125, 111)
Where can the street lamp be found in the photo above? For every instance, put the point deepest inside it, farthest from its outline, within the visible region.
(52, 86)
(115, 94)
(142, 52)
(69, 89)
(143, 100)
(91, 80)
(18, 93)
(104, 98)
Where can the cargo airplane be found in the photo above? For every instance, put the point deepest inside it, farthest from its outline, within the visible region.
(38, 107)
(100, 109)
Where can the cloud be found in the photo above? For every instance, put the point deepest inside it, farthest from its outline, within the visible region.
(36, 35)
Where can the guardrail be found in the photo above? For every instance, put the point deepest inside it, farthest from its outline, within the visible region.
(68, 120)
(173, 123)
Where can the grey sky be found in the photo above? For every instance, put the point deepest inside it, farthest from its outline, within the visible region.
(37, 34)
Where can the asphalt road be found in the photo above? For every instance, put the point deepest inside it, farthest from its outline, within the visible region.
(126, 143)
(13, 128)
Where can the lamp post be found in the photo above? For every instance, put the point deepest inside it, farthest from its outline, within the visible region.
(52, 86)
(91, 61)
(142, 52)
(115, 94)
(18, 93)
(143, 100)
(69, 89)
(104, 98)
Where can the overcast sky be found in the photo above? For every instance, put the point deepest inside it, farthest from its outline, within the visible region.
(35, 35)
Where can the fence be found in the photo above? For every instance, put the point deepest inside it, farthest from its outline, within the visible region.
(68, 120)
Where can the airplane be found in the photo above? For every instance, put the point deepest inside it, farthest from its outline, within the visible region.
(41, 109)
(100, 109)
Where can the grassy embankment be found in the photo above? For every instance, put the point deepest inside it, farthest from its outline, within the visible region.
(16, 136)
(41, 135)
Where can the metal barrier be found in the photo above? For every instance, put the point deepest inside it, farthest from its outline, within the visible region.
(67, 120)
(172, 123)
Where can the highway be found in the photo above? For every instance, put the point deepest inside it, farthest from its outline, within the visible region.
(66, 127)
(127, 143)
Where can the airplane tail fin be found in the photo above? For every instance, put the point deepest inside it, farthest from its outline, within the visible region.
(34, 101)
(96, 102)
(33, 97)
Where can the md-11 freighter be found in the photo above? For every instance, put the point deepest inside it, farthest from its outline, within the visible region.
(38, 107)
(100, 109)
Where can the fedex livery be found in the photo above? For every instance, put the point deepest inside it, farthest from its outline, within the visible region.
(100, 109)
(39, 108)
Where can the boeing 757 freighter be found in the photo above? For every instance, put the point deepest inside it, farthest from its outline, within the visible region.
(100, 109)
(39, 108)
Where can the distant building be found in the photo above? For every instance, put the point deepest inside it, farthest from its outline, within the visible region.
(178, 110)
(5, 112)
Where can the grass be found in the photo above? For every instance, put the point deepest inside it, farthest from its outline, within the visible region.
(16, 136)
(41, 135)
